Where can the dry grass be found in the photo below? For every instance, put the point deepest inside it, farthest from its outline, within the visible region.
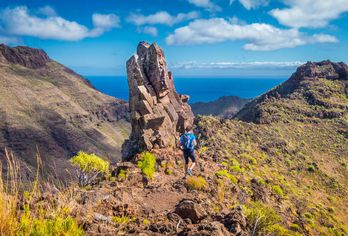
(16, 215)
(9, 197)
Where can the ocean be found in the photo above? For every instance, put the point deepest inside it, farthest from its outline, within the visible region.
(199, 89)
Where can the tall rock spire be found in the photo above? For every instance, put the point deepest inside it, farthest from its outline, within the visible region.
(158, 112)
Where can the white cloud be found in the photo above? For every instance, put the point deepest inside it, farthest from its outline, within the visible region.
(8, 40)
(238, 65)
(310, 13)
(19, 21)
(47, 11)
(259, 37)
(149, 30)
(107, 21)
(251, 4)
(206, 4)
(161, 17)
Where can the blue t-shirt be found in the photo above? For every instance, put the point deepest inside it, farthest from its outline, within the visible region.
(187, 140)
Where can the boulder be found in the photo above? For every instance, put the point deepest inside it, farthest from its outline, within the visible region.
(158, 113)
(235, 222)
(188, 209)
(206, 229)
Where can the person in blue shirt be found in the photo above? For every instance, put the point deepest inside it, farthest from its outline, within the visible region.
(188, 142)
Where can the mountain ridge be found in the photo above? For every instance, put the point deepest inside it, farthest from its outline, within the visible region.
(45, 104)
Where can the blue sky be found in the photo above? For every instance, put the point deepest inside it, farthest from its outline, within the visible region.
(236, 38)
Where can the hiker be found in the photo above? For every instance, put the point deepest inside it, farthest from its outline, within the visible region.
(188, 142)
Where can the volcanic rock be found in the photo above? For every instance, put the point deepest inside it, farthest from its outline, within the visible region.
(191, 210)
(29, 57)
(158, 112)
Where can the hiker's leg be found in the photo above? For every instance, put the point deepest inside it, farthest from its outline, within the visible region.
(186, 161)
(192, 165)
(193, 159)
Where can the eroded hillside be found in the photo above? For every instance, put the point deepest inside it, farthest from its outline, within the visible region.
(46, 107)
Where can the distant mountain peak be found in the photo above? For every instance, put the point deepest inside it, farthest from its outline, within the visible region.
(317, 90)
(324, 69)
(29, 57)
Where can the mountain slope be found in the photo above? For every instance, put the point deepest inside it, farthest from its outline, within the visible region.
(284, 172)
(225, 107)
(292, 155)
(315, 91)
(47, 107)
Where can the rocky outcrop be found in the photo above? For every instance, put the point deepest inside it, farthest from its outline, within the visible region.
(158, 112)
(29, 57)
(47, 107)
(303, 96)
(325, 69)
(188, 209)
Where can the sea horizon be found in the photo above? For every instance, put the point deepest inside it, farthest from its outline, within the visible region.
(200, 89)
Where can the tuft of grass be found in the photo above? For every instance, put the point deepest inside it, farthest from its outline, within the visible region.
(226, 174)
(197, 183)
(122, 175)
(54, 220)
(147, 164)
(295, 227)
(261, 219)
(146, 222)
(278, 190)
(9, 197)
(120, 220)
(90, 166)
(60, 225)
(221, 190)
(311, 168)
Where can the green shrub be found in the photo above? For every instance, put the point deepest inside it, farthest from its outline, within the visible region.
(198, 183)
(278, 190)
(331, 209)
(281, 231)
(120, 220)
(66, 226)
(146, 222)
(295, 227)
(311, 168)
(90, 166)
(122, 175)
(261, 218)
(225, 173)
(147, 164)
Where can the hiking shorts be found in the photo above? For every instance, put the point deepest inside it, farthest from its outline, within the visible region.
(189, 154)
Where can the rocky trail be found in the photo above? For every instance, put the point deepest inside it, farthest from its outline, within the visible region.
(131, 204)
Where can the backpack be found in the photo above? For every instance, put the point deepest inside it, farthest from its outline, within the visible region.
(187, 141)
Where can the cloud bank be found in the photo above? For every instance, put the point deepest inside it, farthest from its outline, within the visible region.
(206, 4)
(259, 36)
(251, 4)
(238, 65)
(161, 17)
(21, 22)
(310, 13)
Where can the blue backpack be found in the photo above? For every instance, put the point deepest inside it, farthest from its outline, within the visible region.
(187, 141)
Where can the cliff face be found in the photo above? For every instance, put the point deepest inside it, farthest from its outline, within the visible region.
(47, 107)
(158, 112)
(28, 57)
